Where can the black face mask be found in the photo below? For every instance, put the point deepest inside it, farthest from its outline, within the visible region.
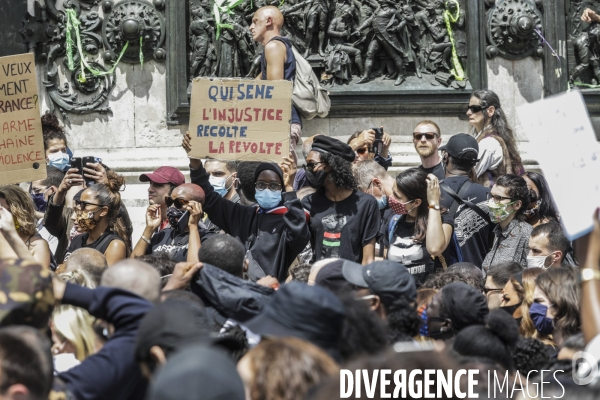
(511, 309)
(173, 216)
(316, 179)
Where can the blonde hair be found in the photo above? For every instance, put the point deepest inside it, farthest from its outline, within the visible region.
(527, 328)
(78, 277)
(75, 325)
(21, 207)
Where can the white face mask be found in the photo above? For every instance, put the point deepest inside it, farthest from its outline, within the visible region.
(538, 262)
(219, 185)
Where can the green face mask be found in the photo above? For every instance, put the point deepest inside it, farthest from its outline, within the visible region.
(498, 212)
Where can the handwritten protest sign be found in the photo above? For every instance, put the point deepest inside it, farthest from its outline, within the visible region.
(235, 119)
(562, 135)
(22, 155)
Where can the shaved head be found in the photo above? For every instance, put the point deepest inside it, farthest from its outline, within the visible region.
(189, 191)
(135, 276)
(266, 24)
(90, 260)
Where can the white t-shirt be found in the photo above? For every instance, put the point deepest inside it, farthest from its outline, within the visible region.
(490, 155)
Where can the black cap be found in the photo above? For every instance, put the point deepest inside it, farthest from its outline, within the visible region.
(333, 146)
(330, 277)
(307, 312)
(198, 372)
(463, 147)
(465, 305)
(387, 279)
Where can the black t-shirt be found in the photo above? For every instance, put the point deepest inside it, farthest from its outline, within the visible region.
(473, 233)
(438, 171)
(408, 252)
(100, 244)
(342, 229)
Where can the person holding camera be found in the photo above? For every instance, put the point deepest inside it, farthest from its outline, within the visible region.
(372, 144)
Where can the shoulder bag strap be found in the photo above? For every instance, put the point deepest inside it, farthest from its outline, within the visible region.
(469, 204)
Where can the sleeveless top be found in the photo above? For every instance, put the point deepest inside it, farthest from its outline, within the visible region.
(100, 244)
(289, 70)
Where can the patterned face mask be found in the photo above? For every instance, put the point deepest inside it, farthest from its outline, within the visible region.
(533, 210)
(86, 221)
(397, 207)
(498, 212)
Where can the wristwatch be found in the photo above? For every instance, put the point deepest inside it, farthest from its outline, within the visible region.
(588, 274)
(435, 207)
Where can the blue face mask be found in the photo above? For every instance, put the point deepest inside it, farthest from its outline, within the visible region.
(542, 323)
(268, 199)
(40, 203)
(59, 160)
(382, 202)
(219, 185)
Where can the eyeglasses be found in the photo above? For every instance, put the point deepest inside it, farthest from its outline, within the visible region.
(487, 291)
(475, 109)
(497, 199)
(273, 186)
(428, 135)
(179, 203)
(83, 204)
(311, 166)
(361, 151)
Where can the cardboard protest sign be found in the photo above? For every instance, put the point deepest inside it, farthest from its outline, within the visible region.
(561, 133)
(235, 119)
(22, 155)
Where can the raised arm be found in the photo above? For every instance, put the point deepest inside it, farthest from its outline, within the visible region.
(438, 234)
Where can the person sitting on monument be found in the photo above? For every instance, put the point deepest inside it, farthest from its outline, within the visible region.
(275, 232)
(181, 240)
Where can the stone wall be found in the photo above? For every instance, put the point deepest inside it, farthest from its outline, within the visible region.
(135, 137)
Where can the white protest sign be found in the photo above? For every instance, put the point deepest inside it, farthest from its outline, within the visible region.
(561, 134)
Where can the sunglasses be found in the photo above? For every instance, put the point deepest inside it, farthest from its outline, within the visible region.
(361, 151)
(475, 109)
(428, 135)
(179, 203)
(83, 204)
(273, 186)
(311, 166)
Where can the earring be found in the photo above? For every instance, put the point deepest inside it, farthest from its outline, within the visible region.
(442, 329)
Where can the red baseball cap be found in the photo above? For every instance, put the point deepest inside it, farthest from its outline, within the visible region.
(164, 175)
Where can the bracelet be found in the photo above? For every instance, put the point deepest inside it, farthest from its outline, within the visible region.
(589, 274)
(145, 239)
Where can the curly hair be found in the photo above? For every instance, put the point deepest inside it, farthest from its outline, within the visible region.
(21, 207)
(529, 354)
(403, 321)
(341, 171)
(517, 190)
(51, 129)
(498, 123)
(443, 278)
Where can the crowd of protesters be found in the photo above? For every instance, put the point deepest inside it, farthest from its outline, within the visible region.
(261, 281)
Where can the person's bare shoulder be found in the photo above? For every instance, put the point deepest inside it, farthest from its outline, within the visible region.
(275, 46)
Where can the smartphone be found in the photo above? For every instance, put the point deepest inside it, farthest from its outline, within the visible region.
(182, 224)
(77, 162)
(378, 143)
(84, 161)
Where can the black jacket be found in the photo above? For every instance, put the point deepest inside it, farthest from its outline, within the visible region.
(227, 296)
(278, 239)
(112, 373)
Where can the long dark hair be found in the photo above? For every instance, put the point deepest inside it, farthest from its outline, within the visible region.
(499, 125)
(547, 210)
(412, 183)
(517, 190)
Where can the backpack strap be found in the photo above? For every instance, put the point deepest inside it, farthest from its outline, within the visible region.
(392, 227)
(458, 199)
(461, 194)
